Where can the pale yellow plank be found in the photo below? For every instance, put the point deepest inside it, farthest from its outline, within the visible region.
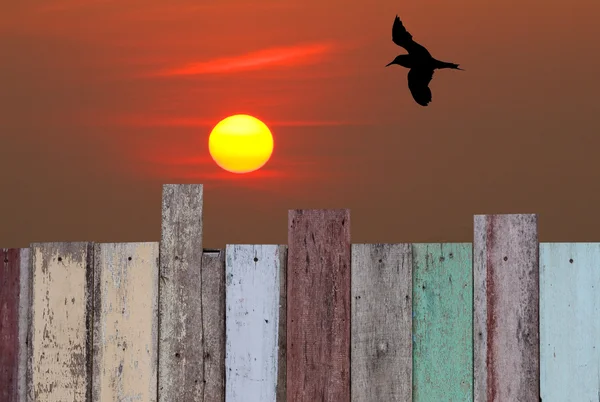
(125, 321)
(59, 360)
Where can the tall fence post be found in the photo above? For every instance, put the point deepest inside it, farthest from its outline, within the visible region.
(318, 333)
(506, 308)
(182, 319)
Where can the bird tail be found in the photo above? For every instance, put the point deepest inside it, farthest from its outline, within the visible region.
(454, 66)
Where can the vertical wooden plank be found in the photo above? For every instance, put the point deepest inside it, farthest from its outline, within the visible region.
(443, 322)
(252, 322)
(506, 308)
(11, 346)
(282, 342)
(569, 321)
(318, 344)
(381, 322)
(24, 317)
(125, 321)
(59, 364)
(213, 323)
(181, 334)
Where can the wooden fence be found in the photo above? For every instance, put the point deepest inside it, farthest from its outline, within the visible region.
(321, 319)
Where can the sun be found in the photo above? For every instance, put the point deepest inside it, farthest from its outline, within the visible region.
(240, 143)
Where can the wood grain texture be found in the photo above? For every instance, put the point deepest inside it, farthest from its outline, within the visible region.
(125, 322)
(213, 324)
(13, 322)
(59, 361)
(253, 283)
(569, 322)
(24, 319)
(506, 360)
(443, 322)
(381, 322)
(318, 333)
(181, 334)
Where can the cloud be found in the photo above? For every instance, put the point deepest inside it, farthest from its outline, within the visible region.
(271, 57)
(146, 121)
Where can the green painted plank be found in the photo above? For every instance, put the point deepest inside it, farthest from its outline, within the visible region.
(442, 322)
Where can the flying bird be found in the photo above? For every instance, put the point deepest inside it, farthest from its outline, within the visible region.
(419, 61)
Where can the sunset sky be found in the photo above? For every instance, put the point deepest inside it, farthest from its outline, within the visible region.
(102, 102)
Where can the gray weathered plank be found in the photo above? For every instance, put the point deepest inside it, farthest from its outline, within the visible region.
(506, 359)
(570, 322)
(381, 322)
(125, 322)
(24, 317)
(60, 359)
(213, 323)
(253, 275)
(181, 335)
(318, 333)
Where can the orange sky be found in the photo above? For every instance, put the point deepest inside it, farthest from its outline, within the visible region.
(104, 101)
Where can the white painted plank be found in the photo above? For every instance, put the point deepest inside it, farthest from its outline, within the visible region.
(252, 297)
(570, 322)
(125, 322)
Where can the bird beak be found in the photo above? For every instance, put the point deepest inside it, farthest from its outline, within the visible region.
(389, 64)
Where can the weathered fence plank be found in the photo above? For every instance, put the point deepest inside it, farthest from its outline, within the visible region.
(181, 336)
(381, 322)
(60, 361)
(443, 322)
(14, 307)
(213, 323)
(318, 332)
(252, 321)
(570, 321)
(506, 308)
(125, 322)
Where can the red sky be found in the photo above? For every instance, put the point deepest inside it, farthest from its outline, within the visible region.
(104, 101)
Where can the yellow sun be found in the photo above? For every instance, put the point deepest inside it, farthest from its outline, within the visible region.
(240, 143)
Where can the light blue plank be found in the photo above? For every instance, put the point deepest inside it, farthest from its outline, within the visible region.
(570, 322)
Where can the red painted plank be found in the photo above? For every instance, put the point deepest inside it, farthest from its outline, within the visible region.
(506, 353)
(318, 322)
(9, 324)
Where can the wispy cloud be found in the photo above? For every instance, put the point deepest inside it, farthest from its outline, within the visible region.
(146, 121)
(271, 57)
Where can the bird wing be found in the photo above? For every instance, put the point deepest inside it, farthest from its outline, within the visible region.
(402, 38)
(418, 83)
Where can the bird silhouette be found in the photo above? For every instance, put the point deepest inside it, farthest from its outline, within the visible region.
(419, 61)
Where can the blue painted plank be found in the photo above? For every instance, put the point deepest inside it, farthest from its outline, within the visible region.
(570, 322)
